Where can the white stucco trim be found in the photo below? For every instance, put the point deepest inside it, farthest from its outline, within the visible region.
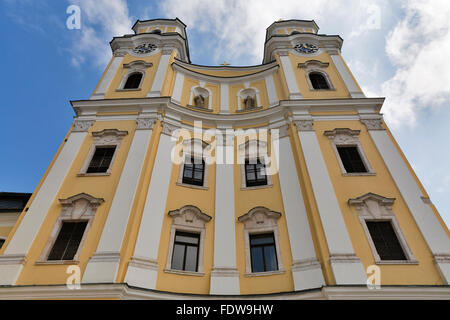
(116, 223)
(294, 92)
(347, 268)
(147, 244)
(160, 75)
(224, 92)
(224, 275)
(109, 75)
(271, 91)
(300, 237)
(353, 89)
(431, 229)
(178, 87)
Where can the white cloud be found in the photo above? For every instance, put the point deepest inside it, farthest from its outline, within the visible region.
(101, 20)
(237, 28)
(419, 47)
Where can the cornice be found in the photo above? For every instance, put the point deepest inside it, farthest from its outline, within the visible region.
(217, 79)
(259, 67)
(297, 109)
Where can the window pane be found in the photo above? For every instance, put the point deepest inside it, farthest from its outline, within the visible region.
(68, 241)
(257, 259)
(186, 238)
(351, 159)
(385, 240)
(258, 239)
(187, 172)
(198, 175)
(101, 160)
(191, 259)
(270, 257)
(133, 81)
(178, 256)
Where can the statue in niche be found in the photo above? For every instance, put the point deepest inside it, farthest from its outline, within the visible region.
(249, 102)
(199, 101)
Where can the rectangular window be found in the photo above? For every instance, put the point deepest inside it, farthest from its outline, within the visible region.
(263, 253)
(185, 251)
(385, 240)
(193, 172)
(101, 160)
(68, 241)
(351, 159)
(255, 173)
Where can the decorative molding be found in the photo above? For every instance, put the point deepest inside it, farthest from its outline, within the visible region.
(143, 263)
(261, 220)
(304, 125)
(6, 259)
(78, 207)
(82, 125)
(306, 264)
(373, 124)
(224, 272)
(442, 258)
(168, 128)
(313, 64)
(189, 219)
(373, 207)
(145, 123)
(349, 137)
(426, 200)
(108, 136)
(138, 65)
(344, 258)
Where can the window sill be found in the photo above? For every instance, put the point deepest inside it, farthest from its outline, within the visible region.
(266, 186)
(397, 262)
(359, 174)
(134, 89)
(249, 109)
(264, 274)
(199, 108)
(56, 262)
(185, 273)
(192, 186)
(93, 174)
(322, 90)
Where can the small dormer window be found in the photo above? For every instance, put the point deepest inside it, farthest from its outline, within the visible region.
(318, 81)
(133, 81)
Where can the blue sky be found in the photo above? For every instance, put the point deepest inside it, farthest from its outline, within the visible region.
(396, 49)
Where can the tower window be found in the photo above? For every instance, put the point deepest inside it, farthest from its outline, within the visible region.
(101, 160)
(385, 240)
(263, 253)
(68, 241)
(255, 173)
(2, 242)
(133, 81)
(193, 172)
(351, 159)
(318, 81)
(185, 251)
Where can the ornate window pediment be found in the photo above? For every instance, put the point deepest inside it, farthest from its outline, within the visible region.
(188, 220)
(377, 219)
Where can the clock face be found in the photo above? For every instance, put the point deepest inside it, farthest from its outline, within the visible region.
(306, 48)
(144, 48)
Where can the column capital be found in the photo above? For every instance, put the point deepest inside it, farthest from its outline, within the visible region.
(82, 125)
(373, 124)
(304, 125)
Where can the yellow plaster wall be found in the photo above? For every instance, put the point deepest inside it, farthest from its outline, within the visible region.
(150, 72)
(300, 75)
(97, 186)
(178, 197)
(382, 184)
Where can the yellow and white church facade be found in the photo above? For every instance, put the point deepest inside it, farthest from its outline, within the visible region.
(180, 181)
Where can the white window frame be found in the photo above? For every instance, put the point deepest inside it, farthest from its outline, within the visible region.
(373, 207)
(197, 149)
(104, 138)
(81, 207)
(261, 220)
(205, 93)
(254, 149)
(243, 93)
(138, 66)
(188, 219)
(315, 66)
(349, 138)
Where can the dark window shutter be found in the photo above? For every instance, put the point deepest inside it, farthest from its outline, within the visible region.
(68, 240)
(385, 240)
(101, 160)
(351, 159)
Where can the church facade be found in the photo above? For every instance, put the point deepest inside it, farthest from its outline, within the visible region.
(179, 181)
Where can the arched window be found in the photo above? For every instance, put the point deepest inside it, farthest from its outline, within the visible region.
(318, 81)
(157, 31)
(133, 81)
